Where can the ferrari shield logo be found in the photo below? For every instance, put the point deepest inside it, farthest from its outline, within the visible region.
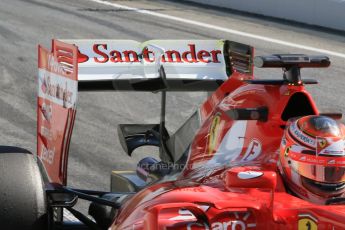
(322, 142)
(213, 133)
(286, 152)
(307, 222)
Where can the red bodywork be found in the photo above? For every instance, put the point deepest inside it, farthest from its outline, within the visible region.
(209, 193)
(230, 180)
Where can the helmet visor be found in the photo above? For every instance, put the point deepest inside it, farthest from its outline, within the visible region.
(318, 168)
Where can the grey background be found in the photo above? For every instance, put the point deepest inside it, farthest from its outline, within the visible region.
(326, 13)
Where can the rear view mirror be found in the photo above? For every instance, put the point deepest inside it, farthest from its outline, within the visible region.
(253, 178)
(250, 177)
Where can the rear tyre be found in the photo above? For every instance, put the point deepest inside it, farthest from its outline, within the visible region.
(22, 196)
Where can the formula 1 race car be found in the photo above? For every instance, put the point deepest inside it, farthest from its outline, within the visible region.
(219, 170)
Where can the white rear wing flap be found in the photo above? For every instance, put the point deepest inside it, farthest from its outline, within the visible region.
(190, 65)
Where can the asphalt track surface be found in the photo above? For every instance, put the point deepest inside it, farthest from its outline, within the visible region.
(95, 150)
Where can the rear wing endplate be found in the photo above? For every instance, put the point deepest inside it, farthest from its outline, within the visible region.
(56, 107)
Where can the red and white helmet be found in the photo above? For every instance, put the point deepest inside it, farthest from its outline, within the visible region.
(312, 158)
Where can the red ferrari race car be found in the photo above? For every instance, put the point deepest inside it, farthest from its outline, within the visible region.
(257, 154)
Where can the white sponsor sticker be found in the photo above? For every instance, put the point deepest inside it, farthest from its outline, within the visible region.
(46, 132)
(48, 155)
(58, 89)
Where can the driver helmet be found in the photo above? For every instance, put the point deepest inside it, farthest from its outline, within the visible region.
(312, 158)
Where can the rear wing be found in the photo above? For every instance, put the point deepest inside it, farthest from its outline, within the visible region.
(190, 65)
(92, 65)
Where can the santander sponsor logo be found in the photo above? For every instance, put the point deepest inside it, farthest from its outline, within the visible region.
(191, 55)
(82, 57)
(237, 222)
(55, 89)
(229, 225)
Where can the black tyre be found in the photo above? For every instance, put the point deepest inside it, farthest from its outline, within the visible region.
(22, 195)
